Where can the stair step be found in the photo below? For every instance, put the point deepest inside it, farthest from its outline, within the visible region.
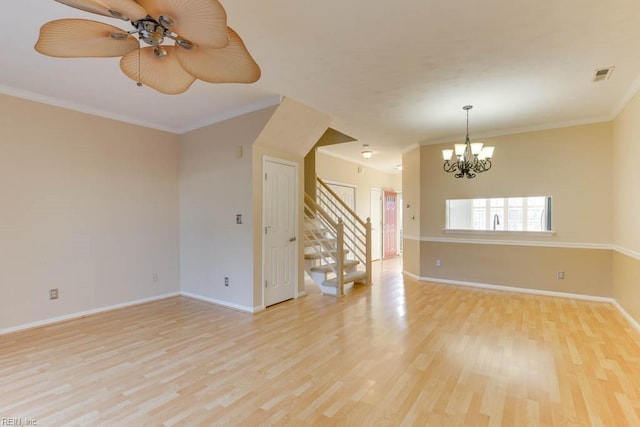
(326, 268)
(316, 233)
(323, 254)
(356, 276)
(320, 242)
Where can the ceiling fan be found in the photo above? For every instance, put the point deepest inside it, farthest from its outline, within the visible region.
(203, 46)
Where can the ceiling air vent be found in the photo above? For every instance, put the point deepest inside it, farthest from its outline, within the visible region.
(602, 74)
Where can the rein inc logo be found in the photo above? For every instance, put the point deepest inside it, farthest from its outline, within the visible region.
(15, 421)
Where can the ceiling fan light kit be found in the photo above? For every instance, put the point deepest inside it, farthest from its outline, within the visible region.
(203, 47)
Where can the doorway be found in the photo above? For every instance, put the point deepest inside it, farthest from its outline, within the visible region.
(280, 227)
(390, 228)
(376, 224)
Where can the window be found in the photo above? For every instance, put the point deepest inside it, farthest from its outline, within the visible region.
(500, 214)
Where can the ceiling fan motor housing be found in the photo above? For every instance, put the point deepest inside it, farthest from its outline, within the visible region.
(151, 31)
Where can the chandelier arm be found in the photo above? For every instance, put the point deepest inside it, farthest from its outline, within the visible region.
(486, 165)
(450, 167)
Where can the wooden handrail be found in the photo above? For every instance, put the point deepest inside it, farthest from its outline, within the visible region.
(309, 200)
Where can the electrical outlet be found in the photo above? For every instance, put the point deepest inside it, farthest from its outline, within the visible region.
(226, 281)
(438, 263)
(238, 218)
(53, 293)
(155, 277)
(560, 275)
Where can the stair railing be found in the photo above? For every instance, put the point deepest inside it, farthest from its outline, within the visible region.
(320, 244)
(357, 233)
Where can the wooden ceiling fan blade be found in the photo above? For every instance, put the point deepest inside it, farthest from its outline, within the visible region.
(81, 38)
(203, 22)
(164, 74)
(122, 9)
(232, 64)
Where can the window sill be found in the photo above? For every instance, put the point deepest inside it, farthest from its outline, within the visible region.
(499, 232)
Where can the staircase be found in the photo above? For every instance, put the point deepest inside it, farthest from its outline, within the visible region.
(337, 242)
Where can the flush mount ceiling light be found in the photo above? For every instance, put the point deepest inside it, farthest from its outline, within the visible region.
(470, 158)
(366, 153)
(187, 40)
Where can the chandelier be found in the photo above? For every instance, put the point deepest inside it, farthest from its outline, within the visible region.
(471, 158)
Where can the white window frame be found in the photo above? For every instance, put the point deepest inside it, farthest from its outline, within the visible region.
(504, 222)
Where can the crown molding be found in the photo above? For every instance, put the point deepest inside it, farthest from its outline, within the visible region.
(265, 103)
(631, 93)
(73, 106)
(520, 130)
(410, 148)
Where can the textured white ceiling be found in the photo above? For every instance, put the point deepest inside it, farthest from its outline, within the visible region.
(391, 74)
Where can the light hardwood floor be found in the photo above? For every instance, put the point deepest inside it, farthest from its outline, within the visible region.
(399, 353)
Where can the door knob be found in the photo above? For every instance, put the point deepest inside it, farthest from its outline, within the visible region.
(293, 239)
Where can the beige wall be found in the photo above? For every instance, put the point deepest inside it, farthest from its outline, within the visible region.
(333, 169)
(411, 195)
(89, 206)
(626, 283)
(573, 165)
(626, 229)
(626, 177)
(587, 271)
(215, 185)
(294, 128)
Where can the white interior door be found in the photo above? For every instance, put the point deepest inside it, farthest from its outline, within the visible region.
(400, 224)
(390, 227)
(376, 223)
(346, 192)
(280, 228)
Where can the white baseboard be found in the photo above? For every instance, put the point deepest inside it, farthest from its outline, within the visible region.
(511, 289)
(627, 316)
(223, 303)
(78, 315)
(302, 294)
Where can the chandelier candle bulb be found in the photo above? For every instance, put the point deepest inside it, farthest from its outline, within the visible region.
(488, 152)
(476, 148)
